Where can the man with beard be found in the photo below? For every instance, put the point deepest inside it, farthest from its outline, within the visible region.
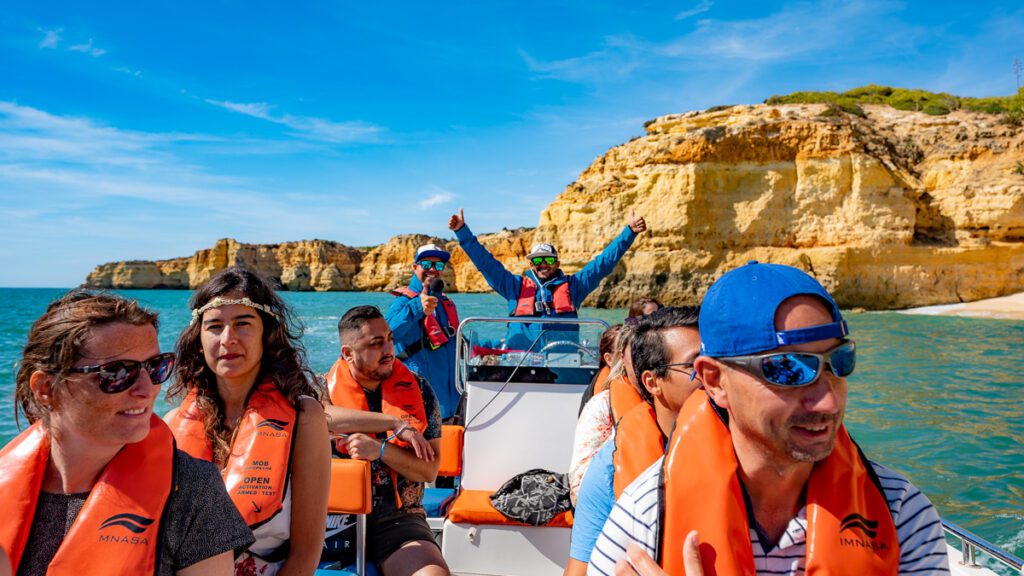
(543, 290)
(760, 475)
(385, 413)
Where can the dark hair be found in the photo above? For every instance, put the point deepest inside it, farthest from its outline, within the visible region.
(57, 338)
(647, 347)
(283, 360)
(607, 344)
(355, 319)
(637, 307)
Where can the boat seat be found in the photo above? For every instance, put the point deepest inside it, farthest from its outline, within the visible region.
(474, 507)
(351, 493)
(437, 500)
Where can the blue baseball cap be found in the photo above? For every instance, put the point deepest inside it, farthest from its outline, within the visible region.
(737, 316)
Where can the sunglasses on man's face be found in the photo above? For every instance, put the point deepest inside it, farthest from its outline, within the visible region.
(431, 265)
(796, 369)
(549, 260)
(120, 375)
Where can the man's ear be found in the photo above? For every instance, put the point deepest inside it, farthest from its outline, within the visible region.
(710, 372)
(649, 381)
(346, 352)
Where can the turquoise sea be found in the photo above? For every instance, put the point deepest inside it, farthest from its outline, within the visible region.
(936, 398)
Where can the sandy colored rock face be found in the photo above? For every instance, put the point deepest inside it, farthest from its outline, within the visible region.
(894, 210)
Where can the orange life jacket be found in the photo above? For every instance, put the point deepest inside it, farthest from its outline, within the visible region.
(436, 335)
(850, 530)
(638, 444)
(623, 397)
(561, 299)
(117, 531)
(601, 381)
(257, 470)
(400, 396)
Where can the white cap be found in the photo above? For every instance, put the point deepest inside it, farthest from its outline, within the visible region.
(428, 250)
(542, 249)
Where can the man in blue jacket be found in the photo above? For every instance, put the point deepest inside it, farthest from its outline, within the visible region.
(543, 290)
(424, 324)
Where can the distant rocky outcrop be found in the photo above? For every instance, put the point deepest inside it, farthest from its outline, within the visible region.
(888, 209)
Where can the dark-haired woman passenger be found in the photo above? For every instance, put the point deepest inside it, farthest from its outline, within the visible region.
(252, 407)
(95, 486)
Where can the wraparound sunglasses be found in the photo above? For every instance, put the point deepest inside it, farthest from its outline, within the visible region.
(120, 375)
(795, 369)
(538, 260)
(431, 265)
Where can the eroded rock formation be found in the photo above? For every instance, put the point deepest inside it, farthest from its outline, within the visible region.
(892, 210)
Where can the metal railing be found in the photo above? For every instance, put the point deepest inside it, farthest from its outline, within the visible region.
(971, 543)
(461, 342)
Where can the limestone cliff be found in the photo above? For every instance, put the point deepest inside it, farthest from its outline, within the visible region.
(889, 210)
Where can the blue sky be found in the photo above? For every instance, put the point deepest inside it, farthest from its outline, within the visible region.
(147, 130)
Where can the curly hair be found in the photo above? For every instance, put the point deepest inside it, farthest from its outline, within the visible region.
(58, 337)
(283, 361)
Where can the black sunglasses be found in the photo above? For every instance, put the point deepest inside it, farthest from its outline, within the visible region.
(538, 260)
(677, 367)
(120, 375)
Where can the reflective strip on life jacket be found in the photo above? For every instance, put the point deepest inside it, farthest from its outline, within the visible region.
(117, 532)
(638, 444)
(400, 397)
(257, 470)
(435, 334)
(850, 530)
(561, 299)
(622, 397)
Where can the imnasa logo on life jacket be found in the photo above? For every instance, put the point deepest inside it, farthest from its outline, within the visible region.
(277, 426)
(862, 533)
(110, 529)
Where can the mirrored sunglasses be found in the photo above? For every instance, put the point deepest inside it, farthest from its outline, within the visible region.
(120, 375)
(549, 260)
(431, 265)
(795, 369)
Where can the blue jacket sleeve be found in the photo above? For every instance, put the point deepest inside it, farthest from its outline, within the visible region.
(405, 317)
(586, 280)
(501, 280)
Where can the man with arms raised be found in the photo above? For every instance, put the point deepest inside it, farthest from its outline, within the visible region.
(387, 414)
(543, 290)
(424, 322)
(760, 475)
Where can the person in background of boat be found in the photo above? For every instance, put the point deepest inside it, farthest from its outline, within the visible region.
(596, 419)
(424, 325)
(387, 414)
(777, 467)
(95, 483)
(663, 347)
(252, 407)
(643, 307)
(606, 357)
(543, 290)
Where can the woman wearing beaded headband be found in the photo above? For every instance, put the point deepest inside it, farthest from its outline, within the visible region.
(252, 406)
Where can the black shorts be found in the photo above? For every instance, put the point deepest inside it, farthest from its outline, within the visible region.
(387, 534)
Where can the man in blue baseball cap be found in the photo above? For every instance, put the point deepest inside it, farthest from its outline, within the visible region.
(424, 322)
(760, 475)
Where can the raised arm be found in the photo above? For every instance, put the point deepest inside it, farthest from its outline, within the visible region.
(405, 316)
(586, 280)
(501, 280)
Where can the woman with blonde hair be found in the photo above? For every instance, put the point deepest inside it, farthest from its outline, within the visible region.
(95, 484)
(252, 407)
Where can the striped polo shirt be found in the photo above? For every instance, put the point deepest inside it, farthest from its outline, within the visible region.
(635, 519)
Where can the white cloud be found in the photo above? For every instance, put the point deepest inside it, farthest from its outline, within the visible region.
(88, 48)
(50, 38)
(306, 126)
(438, 197)
(698, 9)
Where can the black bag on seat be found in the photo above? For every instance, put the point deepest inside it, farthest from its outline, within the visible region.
(533, 497)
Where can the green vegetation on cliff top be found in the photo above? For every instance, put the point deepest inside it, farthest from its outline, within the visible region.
(934, 103)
